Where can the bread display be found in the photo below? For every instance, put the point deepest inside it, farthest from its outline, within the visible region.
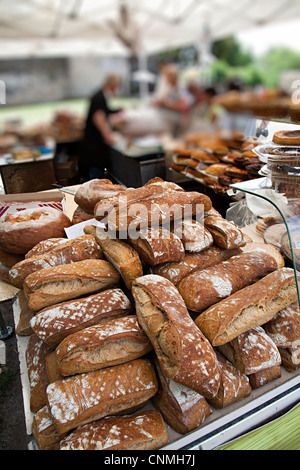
(144, 431)
(248, 308)
(203, 288)
(225, 234)
(152, 323)
(212, 256)
(121, 255)
(52, 285)
(184, 354)
(157, 246)
(84, 398)
(234, 384)
(21, 231)
(71, 251)
(182, 408)
(58, 321)
(102, 345)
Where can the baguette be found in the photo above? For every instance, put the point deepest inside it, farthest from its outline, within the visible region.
(185, 356)
(56, 322)
(70, 281)
(103, 345)
(78, 249)
(225, 234)
(157, 246)
(84, 398)
(234, 385)
(175, 272)
(121, 255)
(203, 288)
(248, 308)
(252, 351)
(35, 355)
(143, 431)
(182, 408)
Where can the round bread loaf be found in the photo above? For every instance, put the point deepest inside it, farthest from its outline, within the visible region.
(21, 231)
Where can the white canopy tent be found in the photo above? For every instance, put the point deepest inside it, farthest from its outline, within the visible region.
(56, 28)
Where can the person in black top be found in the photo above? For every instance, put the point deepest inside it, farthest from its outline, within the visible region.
(98, 134)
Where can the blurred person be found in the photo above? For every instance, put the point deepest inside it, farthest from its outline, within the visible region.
(171, 99)
(98, 134)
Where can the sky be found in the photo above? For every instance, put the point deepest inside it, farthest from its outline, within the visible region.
(260, 40)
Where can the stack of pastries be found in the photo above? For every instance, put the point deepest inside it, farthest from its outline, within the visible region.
(218, 159)
(129, 337)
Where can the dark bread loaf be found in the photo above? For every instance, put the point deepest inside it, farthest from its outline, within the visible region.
(91, 192)
(144, 431)
(234, 385)
(225, 234)
(84, 398)
(58, 321)
(248, 308)
(157, 246)
(175, 272)
(70, 281)
(103, 345)
(203, 288)
(185, 356)
(77, 249)
(182, 408)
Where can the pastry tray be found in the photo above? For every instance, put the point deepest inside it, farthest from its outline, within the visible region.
(221, 426)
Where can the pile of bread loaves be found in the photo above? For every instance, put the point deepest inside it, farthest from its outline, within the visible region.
(185, 324)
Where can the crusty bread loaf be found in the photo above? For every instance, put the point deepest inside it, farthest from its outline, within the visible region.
(158, 245)
(290, 357)
(175, 272)
(35, 355)
(157, 181)
(182, 408)
(58, 321)
(84, 398)
(143, 431)
(252, 351)
(248, 308)
(194, 236)
(71, 251)
(184, 356)
(103, 345)
(44, 246)
(233, 387)
(266, 248)
(124, 258)
(203, 288)
(21, 231)
(60, 283)
(44, 432)
(81, 215)
(225, 234)
(52, 368)
(264, 376)
(284, 328)
(91, 192)
(23, 327)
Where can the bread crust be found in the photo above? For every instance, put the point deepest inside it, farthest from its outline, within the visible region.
(248, 308)
(184, 356)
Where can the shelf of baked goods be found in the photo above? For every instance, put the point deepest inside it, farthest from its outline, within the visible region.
(124, 325)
